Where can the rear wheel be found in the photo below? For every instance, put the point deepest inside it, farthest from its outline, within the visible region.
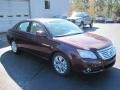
(61, 64)
(14, 47)
(91, 25)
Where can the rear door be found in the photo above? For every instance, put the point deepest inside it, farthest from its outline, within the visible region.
(22, 35)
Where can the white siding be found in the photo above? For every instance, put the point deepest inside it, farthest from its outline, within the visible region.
(57, 7)
(12, 12)
(36, 8)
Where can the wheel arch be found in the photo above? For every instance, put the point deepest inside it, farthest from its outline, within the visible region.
(66, 54)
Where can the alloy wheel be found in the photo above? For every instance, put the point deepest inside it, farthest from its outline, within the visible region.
(60, 64)
(14, 46)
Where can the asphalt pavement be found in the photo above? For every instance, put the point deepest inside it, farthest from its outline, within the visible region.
(28, 72)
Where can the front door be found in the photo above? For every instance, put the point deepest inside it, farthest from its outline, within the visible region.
(40, 45)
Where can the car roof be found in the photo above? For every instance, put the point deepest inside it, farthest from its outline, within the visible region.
(80, 13)
(46, 20)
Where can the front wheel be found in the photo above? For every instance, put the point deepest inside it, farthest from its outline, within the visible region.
(61, 64)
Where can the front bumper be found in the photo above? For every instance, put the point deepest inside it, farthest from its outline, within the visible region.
(85, 23)
(101, 65)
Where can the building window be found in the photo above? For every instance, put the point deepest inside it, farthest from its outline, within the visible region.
(47, 4)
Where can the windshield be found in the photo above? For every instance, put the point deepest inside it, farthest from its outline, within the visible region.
(63, 28)
(80, 14)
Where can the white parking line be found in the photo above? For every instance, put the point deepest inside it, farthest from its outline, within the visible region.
(5, 49)
(6, 82)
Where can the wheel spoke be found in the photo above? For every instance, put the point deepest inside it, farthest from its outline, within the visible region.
(60, 64)
(14, 47)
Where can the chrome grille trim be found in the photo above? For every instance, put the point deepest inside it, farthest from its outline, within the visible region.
(107, 53)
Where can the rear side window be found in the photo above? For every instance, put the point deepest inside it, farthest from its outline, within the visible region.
(23, 26)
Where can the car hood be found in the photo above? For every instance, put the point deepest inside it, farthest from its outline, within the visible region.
(74, 18)
(85, 41)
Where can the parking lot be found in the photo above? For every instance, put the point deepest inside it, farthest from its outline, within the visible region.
(28, 72)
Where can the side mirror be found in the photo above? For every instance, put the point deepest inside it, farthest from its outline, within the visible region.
(41, 33)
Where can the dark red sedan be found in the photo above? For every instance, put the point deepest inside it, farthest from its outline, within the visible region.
(64, 44)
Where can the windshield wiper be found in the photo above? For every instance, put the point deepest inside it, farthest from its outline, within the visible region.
(75, 33)
(67, 35)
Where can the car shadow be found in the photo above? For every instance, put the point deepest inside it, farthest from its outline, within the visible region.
(33, 73)
(3, 44)
(88, 29)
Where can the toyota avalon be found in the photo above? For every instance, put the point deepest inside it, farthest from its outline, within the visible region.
(64, 44)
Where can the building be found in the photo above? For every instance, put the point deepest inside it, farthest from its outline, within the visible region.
(12, 11)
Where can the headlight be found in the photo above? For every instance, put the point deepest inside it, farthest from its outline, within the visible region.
(87, 54)
(78, 20)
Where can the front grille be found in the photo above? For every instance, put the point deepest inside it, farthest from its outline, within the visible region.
(87, 18)
(107, 53)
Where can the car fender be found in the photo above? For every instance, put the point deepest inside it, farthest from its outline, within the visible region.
(67, 50)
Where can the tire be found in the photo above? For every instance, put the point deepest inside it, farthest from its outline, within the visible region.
(14, 47)
(91, 25)
(61, 64)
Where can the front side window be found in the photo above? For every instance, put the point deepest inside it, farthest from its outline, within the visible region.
(24, 26)
(36, 27)
(47, 4)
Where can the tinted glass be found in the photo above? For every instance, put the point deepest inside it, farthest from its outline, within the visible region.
(63, 28)
(24, 26)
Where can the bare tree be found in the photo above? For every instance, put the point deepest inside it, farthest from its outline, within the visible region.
(109, 7)
(80, 5)
(116, 7)
(85, 5)
(99, 7)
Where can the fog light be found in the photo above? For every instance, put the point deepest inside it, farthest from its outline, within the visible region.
(88, 70)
